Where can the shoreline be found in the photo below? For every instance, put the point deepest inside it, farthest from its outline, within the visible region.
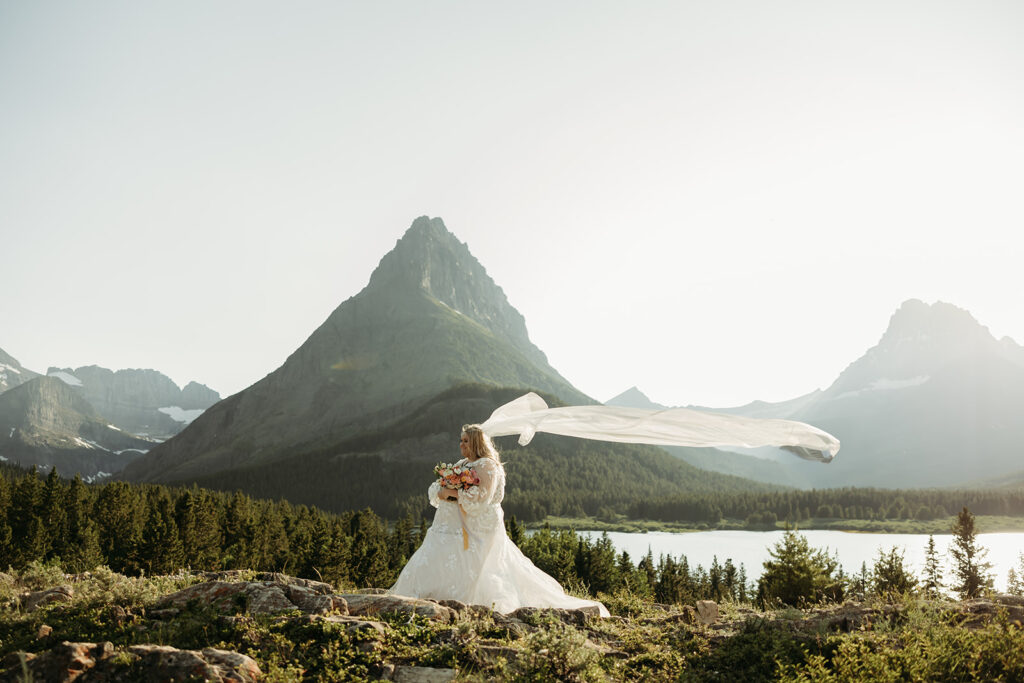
(985, 524)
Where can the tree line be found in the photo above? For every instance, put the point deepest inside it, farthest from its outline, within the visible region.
(766, 508)
(154, 529)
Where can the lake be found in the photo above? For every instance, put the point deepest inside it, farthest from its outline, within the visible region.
(750, 548)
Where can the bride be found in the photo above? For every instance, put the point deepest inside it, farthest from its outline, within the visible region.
(488, 570)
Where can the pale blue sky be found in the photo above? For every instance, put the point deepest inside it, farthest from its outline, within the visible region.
(716, 201)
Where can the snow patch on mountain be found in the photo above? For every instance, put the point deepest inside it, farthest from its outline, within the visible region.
(885, 384)
(180, 414)
(67, 378)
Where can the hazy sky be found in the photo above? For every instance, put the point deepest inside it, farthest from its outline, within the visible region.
(717, 201)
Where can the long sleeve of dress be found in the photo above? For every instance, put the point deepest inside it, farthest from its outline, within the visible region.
(481, 503)
(432, 494)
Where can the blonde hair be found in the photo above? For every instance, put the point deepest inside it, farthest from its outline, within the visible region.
(479, 443)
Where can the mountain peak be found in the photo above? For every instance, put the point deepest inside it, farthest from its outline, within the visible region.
(940, 320)
(634, 398)
(921, 339)
(431, 259)
(427, 227)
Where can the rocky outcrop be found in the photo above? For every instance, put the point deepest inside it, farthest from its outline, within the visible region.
(262, 597)
(31, 601)
(370, 605)
(102, 662)
(419, 674)
(281, 593)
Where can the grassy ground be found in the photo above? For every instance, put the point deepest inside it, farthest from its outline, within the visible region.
(642, 641)
(985, 524)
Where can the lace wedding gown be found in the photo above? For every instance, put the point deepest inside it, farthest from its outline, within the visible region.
(492, 571)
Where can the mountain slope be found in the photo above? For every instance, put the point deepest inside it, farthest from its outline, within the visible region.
(429, 319)
(388, 469)
(45, 422)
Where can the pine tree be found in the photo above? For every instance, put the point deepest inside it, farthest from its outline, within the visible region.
(55, 516)
(932, 571)
(6, 546)
(270, 542)
(83, 548)
(742, 584)
(890, 576)
(237, 528)
(1015, 577)
(797, 575)
(196, 515)
(973, 576)
(729, 579)
(715, 580)
(27, 525)
(119, 516)
(161, 550)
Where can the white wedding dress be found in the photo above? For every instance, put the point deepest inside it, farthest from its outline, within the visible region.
(491, 571)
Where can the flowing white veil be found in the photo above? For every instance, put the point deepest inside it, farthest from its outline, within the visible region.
(529, 414)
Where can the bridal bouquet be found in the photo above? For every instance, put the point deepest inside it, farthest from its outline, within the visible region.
(455, 476)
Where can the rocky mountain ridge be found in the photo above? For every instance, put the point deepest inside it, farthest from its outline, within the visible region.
(90, 420)
(144, 402)
(12, 373)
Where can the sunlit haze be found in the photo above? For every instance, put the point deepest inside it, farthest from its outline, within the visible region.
(714, 201)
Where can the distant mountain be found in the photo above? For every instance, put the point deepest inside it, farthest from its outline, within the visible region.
(11, 372)
(144, 402)
(429, 319)
(634, 398)
(361, 412)
(937, 402)
(45, 422)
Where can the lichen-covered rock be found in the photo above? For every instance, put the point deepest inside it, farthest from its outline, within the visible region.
(354, 624)
(243, 596)
(263, 597)
(310, 599)
(165, 663)
(273, 577)
(572, 617)
(707, 611)
(63, 662)
(369, 604)
(32, 601)
(422, 674)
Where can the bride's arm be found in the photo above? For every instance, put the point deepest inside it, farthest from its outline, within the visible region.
(476, 499)
(433, 493)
